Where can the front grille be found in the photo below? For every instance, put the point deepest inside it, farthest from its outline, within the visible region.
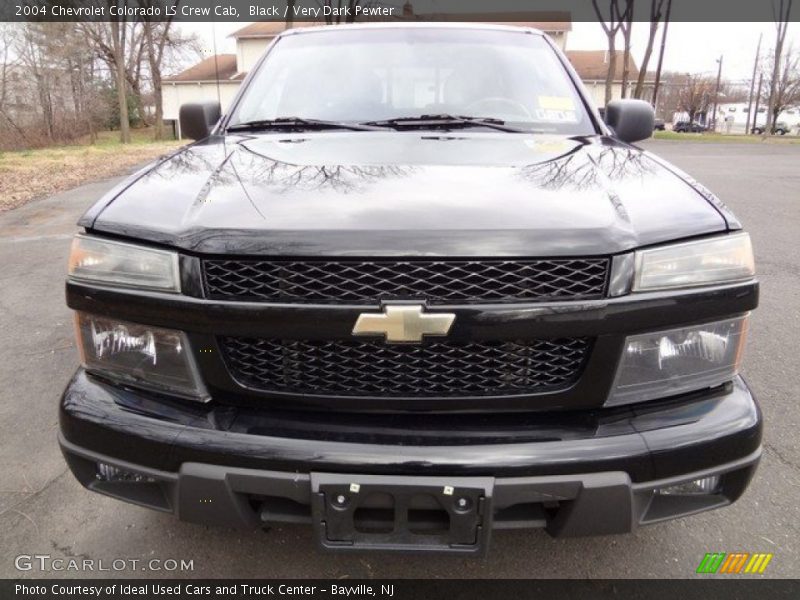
(437, 281)
(374, 368)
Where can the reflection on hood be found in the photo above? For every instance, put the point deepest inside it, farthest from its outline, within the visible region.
(409, 193)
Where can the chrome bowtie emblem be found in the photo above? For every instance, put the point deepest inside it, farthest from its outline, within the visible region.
(403, 323)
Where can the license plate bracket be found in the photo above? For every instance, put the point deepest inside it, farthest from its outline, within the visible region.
(377, 512)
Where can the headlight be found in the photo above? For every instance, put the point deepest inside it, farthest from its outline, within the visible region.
(118, 263)
(145, 356)
(666, 363)
(717, 260)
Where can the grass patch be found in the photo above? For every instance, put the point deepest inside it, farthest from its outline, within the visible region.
(138, 136)
(725, 138)
(30, 174)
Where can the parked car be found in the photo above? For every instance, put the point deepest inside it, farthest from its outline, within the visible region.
(659, 125)
(780, 128)
(441, 299)
(689, 127)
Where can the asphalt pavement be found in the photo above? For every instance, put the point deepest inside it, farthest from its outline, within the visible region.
(44, 511)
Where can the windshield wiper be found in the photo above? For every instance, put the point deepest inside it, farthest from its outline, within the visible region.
(298, 123)
(445, 121)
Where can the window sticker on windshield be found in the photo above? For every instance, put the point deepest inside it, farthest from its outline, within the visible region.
(560, 103)
(548, 146)
(555, 116)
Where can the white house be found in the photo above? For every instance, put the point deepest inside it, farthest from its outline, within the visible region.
(592, 67)
(215, 78)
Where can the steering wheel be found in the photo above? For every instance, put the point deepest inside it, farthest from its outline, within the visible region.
(517, 108)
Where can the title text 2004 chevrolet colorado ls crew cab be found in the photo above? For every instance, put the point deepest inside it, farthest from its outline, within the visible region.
(409, 289)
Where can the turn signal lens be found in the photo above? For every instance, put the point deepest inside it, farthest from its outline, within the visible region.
(721, 259)
(117, 263)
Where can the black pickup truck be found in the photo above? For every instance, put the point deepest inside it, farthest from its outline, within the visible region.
(409, 289)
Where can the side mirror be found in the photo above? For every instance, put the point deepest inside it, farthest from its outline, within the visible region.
(631, 120)
(198, 119)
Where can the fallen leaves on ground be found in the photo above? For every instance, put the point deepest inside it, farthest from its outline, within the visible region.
(26, 176)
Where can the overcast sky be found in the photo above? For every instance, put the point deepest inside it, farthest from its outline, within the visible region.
(691, 47)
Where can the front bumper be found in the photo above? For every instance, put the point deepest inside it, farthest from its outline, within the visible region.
(572, 475)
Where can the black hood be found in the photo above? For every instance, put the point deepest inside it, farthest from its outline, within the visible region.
(375, 193)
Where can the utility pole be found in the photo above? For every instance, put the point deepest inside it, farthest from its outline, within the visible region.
(716, 91)
(758, 100)
(752, 85)
(781, 23)
(661, 54)
(290, 13)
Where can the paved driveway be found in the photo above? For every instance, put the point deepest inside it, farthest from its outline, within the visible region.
(43, 510)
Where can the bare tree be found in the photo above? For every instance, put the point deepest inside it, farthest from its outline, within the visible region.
(69, 70)
(656, 13)
(611, 26)
(54, 81)
(165, 45)
(118, 42)
(786, 89)
(6, 68)
(135, 63)
(155, 53)
(627, 29)
(110, 43)
(660, 63)
(71, 59)
(157, 36)
(5, 61)
(31, 50)
(781, 10)
(695, 95)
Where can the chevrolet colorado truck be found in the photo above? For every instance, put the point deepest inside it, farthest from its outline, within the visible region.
(410, 289)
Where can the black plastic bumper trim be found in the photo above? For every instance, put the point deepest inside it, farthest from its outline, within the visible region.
(566, 505)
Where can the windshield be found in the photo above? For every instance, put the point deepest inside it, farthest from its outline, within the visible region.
(363, 75)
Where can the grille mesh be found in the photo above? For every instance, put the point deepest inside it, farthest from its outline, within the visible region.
(366, 368)
(438, 281)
